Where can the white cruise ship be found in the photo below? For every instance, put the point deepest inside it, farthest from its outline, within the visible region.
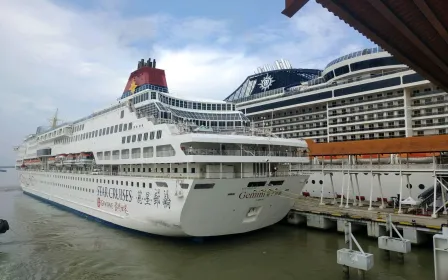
(363, 95)
(164, 165)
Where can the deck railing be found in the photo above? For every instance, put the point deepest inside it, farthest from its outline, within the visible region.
(216, 152)
(424, 167)
(209, 175)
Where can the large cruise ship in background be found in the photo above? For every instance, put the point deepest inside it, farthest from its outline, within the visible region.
(157, 163)
(363, 95)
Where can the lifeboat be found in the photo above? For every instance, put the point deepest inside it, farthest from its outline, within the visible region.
(59, 160)
(84, 158)
(334, 159)
(382, 159)
(51, 160)
(416, 157)
(69, 159)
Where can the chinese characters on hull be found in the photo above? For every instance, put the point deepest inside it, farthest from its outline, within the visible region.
(154, 199)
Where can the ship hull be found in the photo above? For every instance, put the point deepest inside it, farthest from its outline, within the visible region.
(228, 207)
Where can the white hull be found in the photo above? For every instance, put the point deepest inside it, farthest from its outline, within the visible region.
(220, 210)
(390, 185)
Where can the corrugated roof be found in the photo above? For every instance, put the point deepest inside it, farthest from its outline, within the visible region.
(418, 144)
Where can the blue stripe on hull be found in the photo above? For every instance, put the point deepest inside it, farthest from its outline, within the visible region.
(87, 216)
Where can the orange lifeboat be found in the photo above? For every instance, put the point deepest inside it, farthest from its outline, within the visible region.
(333, 159)
(382, 159)
(417, 157)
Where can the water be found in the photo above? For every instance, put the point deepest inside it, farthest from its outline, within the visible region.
(47, 243)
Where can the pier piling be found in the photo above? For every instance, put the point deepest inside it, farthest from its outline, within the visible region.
(441, 254)
(347, 257)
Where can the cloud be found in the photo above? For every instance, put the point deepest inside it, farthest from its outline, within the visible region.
(78, 60)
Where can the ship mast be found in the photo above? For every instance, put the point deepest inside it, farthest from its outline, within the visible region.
(55, 120)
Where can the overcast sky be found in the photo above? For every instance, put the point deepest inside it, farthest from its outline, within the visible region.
(77, 55)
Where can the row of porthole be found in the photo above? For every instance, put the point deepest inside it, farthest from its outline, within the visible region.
(409, 186)
(314, 182)
(420, 186)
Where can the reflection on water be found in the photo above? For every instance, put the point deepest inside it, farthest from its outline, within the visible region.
(47, 243)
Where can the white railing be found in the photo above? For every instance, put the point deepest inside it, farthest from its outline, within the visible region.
(374, 167)
(206, 175)
(216, 152)
(190, 127)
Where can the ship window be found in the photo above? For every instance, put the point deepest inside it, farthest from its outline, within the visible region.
(126, 183)
(204, 186)
(184, 186)
(162, 184)
(193, 170)
(122, 114)
(123, 139)
(125, 127)
(134, 137)
(96, 133)
(130, 125)
(116, 128)
(120, 127)
(145, 136)
(341, 70)
(151, 135)
(132, 184)
(159, 134)
(143, 185)
(255, 184)
(111, 129)
(128, 139)
(276, 183)
(138, 185)
(139, 137)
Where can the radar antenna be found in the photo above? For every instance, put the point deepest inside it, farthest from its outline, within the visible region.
(54, 120)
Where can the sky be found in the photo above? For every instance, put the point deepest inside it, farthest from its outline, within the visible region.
(77, 55)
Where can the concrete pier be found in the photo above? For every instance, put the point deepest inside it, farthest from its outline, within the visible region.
(416, 229)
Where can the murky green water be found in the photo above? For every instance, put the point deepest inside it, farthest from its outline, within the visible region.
(47, 243)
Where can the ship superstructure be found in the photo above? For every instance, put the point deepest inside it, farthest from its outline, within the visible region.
(363, 95)
(157, 163)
